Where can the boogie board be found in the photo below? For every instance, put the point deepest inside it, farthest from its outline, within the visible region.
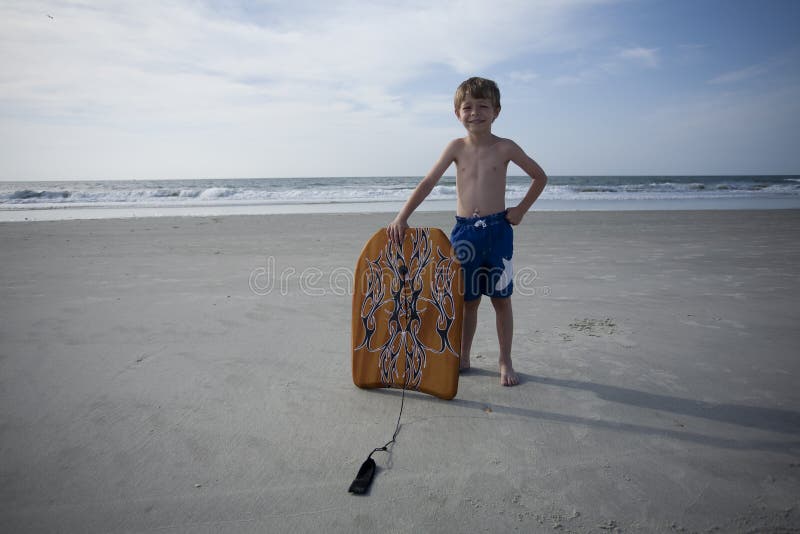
(407, 314)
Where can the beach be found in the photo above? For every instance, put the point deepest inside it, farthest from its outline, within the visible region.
(192, 374)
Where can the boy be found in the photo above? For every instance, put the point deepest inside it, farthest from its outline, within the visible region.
(482, 236)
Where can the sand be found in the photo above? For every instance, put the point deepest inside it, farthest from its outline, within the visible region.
(193, 375)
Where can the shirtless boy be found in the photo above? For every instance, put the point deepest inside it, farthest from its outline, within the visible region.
(482, 236)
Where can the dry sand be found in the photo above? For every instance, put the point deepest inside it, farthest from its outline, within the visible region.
(151, 379)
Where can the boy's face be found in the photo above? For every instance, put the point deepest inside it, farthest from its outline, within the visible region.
(477, 114)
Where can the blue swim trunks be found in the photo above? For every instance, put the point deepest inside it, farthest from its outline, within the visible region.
(484, 246)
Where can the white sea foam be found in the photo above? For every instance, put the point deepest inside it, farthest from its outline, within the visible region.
(216, 193)
(183, 193)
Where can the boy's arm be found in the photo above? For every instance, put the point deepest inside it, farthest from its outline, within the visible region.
(397, 228)
(532, 169)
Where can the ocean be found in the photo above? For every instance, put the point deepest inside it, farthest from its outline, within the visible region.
(141, 198)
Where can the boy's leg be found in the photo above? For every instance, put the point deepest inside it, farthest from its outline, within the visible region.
(504, 318)
(468, 327)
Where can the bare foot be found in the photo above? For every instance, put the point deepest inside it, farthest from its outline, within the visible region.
(463, 364)
(507, 375)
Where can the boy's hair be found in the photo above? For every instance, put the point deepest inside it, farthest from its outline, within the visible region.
(478, 88)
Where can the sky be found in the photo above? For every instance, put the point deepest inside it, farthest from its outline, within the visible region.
(183, 89)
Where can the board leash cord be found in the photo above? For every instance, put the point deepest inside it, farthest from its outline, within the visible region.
(366, 473)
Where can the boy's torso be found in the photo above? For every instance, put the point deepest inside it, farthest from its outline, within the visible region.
(481, 177)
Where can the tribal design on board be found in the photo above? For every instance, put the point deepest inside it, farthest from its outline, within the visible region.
(395, 286)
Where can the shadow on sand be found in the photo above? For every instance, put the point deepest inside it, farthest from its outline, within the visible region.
(767, 419)
(770, 419)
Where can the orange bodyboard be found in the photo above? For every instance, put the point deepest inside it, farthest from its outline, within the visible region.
(407, 314)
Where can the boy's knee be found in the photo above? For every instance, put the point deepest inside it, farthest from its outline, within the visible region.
(472, 304)
(501, 303)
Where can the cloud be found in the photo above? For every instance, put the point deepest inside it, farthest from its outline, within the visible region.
(522, 76)
(152, 57)
(576, 79)
(737, 133)
(202, 77)
(739, 75)
(608, 64)
(644, 56)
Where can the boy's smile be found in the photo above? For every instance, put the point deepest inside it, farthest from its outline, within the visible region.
(476, 114)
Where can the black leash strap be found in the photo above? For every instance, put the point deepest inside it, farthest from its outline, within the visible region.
(366, 473)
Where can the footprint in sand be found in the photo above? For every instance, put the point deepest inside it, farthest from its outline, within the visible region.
(595, 327)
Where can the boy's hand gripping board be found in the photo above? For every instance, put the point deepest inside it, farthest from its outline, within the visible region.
(407, 314)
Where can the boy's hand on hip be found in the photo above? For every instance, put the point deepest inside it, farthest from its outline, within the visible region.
(396, 231)
(514, 215)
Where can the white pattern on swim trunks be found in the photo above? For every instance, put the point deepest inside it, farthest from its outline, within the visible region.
(506, 277)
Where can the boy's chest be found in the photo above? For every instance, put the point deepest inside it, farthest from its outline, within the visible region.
(481, 163)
